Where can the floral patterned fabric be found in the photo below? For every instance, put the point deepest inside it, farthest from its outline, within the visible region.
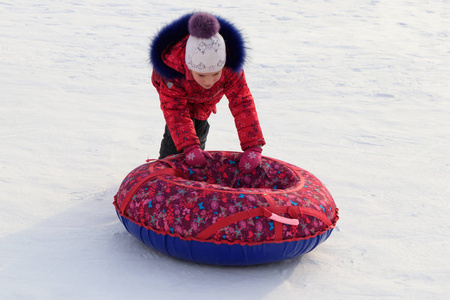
(188, 204)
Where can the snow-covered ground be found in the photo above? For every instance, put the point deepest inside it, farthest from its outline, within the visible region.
(355, 91)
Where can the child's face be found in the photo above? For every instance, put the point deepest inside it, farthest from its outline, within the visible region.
(207, 80)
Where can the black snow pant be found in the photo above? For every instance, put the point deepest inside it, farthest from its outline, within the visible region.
(168, 146)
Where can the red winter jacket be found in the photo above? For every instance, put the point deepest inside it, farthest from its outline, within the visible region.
(182, 99)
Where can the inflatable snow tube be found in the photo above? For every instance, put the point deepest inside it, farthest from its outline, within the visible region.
(216, 215)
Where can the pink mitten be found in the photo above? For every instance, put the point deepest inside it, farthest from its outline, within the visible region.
(250, 159)
(195, 156)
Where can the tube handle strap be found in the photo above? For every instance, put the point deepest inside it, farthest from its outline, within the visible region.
(283, 220)
(269, 212)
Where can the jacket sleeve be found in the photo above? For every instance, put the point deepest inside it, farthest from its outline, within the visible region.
(242, 107)
(176, 112)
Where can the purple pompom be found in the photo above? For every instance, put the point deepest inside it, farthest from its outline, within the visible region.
(203, 25)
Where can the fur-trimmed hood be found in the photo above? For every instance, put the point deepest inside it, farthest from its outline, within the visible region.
(177, 30)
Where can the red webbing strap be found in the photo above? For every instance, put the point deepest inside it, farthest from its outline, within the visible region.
(136, 187)
(166, 161)
(261, 211)
(278, 227)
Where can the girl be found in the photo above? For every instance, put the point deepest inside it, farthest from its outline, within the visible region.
(196, 60)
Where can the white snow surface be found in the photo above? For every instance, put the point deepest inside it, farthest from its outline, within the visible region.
(355, 91)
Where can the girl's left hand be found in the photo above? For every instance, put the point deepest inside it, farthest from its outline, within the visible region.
(250, 159)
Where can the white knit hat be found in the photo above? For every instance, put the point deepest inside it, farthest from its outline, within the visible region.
(205, 47)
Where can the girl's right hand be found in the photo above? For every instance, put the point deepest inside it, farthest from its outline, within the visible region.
(196, 157)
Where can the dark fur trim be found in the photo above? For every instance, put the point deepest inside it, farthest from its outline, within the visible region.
(172, 33)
